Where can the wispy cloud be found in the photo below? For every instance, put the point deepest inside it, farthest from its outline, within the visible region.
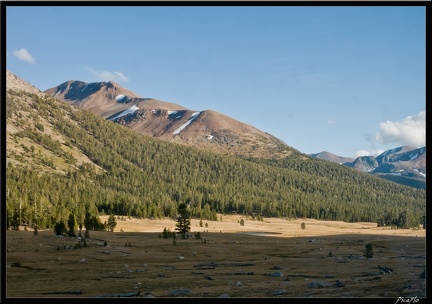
(331, 122)
(410, 131)
(24, 55)
(368, 153)
(109, 76)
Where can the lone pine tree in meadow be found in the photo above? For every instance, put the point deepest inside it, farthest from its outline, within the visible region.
(183, 220)
(112, 222)
(368, 251)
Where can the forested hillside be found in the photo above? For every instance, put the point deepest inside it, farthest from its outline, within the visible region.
(85, 164)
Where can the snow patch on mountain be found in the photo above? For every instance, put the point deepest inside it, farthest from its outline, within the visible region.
(119, 97)
(193, 116)
(130, 110)
(412, 157)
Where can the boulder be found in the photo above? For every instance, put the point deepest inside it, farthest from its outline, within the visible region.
(319, 284)
(275, 274)
(176, 292)
(279, 292)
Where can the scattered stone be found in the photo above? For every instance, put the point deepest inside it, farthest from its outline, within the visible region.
(279, 292)
(209, 278)
(339, 284)
(224, 295)
(358, 257)
(318, 284)
(213, 265)
(181, 257)
(384, 270)
(238, 283)
(275, 274)
(176, 292)
(376, 279)
(276, 267)
(148, 295)
(121, 295)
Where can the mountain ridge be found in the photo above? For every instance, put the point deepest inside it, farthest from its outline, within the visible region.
(208, 129)
(325, 155)
(404, 164)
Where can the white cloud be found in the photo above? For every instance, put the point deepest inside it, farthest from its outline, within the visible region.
(362, 153)
(107, 75)
(410, 131)
(369, 153)
(24, 55)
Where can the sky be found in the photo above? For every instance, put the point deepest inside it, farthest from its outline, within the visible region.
(350, 80)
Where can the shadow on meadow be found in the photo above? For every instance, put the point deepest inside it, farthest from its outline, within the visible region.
(210, 264)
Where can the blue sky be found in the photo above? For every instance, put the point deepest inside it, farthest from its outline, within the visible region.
(344, 79)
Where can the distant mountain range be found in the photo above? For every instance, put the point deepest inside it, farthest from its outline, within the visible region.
(207, 129)
(405, 165)
(332, 157)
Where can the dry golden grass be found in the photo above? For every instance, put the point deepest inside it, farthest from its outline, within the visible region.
(228, 261)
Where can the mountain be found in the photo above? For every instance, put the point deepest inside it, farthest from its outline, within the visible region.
(207, 129)
(404, 165)
(63, 161)
(332, 157)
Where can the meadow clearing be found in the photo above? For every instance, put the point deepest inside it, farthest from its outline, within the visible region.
(262, 259)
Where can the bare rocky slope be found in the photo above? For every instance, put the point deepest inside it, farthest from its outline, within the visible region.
(207, 129)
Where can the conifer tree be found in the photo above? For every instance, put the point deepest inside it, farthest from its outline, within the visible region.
(71, 225)
(183, 220)
(112, 222)
(368, 251)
